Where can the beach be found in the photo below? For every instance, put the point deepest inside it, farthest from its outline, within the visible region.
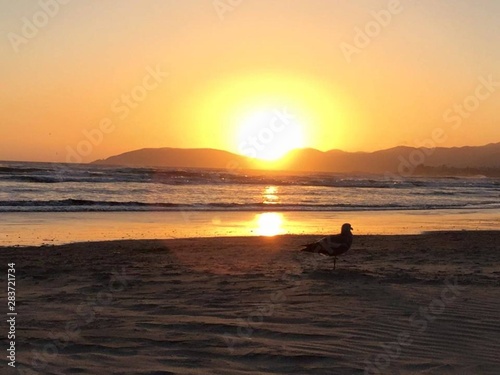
(235, 187)
(396, 304)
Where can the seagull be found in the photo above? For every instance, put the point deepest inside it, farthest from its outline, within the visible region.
(334, 245)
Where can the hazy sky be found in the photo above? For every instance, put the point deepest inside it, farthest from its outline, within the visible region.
(204, 73)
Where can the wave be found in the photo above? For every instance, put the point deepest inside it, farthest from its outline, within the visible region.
(81, 205)
(42, 187)
(182, 177)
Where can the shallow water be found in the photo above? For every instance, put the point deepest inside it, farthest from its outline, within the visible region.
(42, 187)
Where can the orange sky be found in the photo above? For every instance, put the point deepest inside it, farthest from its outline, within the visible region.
(89, 79)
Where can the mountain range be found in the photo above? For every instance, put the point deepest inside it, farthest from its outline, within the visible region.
(400, 160)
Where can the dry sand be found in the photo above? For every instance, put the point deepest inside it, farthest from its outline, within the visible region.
(426, 304)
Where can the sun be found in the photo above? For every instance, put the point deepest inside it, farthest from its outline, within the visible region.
(265, 114)
(270, 133)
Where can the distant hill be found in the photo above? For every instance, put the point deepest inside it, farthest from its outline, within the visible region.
(178, 158)
(397, 160)
(400, 160)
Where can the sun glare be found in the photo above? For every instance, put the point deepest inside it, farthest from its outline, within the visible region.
(264, 115)
(270, 134)
(269, 224)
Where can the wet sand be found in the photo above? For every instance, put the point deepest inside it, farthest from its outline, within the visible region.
(244, 305)
(53, 228)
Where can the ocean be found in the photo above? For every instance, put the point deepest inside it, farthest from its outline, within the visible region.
(50, 187)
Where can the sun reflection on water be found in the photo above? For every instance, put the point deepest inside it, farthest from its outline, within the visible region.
(270, 195)
(269, 224)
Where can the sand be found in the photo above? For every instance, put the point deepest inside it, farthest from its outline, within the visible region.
(426, 304)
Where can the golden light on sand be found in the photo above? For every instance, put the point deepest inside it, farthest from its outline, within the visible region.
(269, 224)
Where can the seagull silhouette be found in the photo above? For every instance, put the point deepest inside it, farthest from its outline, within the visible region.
(333, 245)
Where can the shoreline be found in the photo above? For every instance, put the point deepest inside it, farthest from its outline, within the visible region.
(33, 228)
(152, 242)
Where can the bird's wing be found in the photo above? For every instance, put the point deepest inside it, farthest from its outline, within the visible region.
(329, 245)
(332, 245)
(332, 241)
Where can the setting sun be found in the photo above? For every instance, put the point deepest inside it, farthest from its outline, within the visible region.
(265, 115)
(270, 134)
